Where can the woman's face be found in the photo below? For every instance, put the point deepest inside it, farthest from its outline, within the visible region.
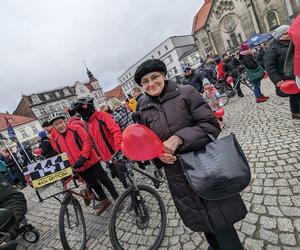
(285, 36)
(153, 83)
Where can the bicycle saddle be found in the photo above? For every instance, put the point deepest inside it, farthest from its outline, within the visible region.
(7, 219)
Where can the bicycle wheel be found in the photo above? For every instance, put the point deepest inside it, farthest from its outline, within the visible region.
(127, 230)
(71, 225)
(225, 97)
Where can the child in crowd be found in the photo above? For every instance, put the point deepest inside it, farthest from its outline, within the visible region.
(213, 97)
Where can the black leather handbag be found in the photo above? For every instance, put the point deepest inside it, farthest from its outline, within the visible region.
(218, 171)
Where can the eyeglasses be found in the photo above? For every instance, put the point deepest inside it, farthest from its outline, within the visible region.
(152, 78)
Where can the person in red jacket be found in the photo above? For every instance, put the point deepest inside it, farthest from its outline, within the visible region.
(101, 126)
(77, 144)
(295, 35)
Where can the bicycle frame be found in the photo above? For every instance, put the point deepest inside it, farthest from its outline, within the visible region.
(66, 189)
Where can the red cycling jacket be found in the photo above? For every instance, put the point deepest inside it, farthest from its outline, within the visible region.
(106, 134)
(76, 121)
(75, 142)
(221, 73)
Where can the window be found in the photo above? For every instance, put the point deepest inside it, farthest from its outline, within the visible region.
(81, 90)
(240, 38)
(158, 52)
(35, 99)
(34, 129)
(66, 91)
(152, 56)
(166, 47)
(229, 43)
(47, 97)
(168, 60)
(43, 111)
(129, 74)
(272, 20)
(234, 40)
(23, 133)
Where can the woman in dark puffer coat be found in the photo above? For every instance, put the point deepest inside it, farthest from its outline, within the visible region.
(182, 119)
(274, 64)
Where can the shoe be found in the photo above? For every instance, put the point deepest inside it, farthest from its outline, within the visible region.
(266, 97)
(106, 203)
(241, 95)
(261, 99)
(296, 116)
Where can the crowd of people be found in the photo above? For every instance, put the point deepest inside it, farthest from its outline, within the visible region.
(181, 115)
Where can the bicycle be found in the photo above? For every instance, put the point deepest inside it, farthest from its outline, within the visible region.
(139, 216)
(70, 213)
(228, 87)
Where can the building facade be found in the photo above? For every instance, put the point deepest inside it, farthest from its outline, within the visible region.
(222, 25)
(91, 89)
(26, 128)
(191, 58)
(169, 52)
(42, 105)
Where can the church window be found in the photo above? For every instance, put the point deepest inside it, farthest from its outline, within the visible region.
(240, 38)
(229, 23)
(234, 40)
(272, 20)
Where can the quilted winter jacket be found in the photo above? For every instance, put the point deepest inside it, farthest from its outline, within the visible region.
(111, 130)
(76, 142)
(182, 111)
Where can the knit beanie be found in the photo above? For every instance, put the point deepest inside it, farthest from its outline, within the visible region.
(149, 66)
(205, 81)
(244, 47)
(280, 31)
(42, 134)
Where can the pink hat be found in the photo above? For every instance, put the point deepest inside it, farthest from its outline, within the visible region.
(244, 47)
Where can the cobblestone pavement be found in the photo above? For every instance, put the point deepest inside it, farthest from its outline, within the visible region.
(271, 141)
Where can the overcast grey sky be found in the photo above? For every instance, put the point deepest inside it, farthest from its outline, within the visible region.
(42, 42)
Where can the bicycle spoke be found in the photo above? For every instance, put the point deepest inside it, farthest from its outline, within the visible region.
(73, 226)
(134, 233)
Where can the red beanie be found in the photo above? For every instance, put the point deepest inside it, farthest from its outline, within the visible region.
(244, 47)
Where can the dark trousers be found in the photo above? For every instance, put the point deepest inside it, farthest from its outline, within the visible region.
(226, 239)
(95, 176)
(295, 103)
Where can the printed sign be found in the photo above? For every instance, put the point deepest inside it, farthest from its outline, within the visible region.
(48, 171)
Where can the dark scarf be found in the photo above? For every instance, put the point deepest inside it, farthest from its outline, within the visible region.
(157, 98)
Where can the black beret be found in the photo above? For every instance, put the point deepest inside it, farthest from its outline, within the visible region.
(46, 124)
(148, 67)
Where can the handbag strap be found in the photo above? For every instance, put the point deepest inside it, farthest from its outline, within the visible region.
(211, 137)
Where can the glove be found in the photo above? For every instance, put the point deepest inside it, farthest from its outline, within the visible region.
(79, 162)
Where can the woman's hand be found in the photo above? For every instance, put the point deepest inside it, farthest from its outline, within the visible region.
(279, 83)
(167, 158)
(172, 144)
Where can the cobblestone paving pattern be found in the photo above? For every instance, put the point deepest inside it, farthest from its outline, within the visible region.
(271, 142)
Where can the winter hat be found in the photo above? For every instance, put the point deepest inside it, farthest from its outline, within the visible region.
(148, 67)
(42, 134)
(205, 81)
(280, 31)
(244, 47)
(46, 124)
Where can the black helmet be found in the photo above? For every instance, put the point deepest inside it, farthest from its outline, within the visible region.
(84, 107)
(81, 101)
